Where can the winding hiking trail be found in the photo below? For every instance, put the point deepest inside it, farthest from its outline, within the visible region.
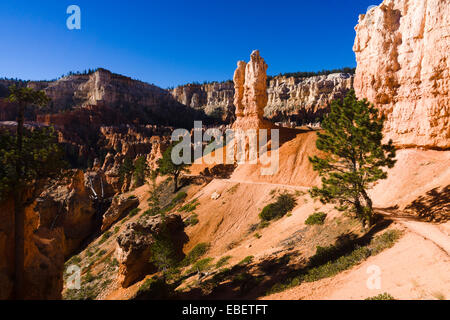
(428, 230)
(266, 184)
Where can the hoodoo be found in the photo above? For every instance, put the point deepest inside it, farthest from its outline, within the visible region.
(250, 97)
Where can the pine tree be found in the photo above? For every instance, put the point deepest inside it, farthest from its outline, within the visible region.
(141, 171)
(34, 156)
(354, 156)
(166, 166)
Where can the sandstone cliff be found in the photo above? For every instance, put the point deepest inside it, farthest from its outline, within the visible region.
(294, 98)
(215, 99)
(402, 49)
(134, 101)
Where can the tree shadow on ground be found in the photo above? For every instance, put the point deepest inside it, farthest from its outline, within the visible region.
(251, 281)
(434, 206)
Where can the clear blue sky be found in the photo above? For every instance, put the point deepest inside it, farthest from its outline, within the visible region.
(174, 42)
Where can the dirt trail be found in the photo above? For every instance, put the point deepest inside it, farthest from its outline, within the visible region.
(266, 184)
(427, 230)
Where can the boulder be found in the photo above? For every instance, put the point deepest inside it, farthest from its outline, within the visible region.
(134, 245)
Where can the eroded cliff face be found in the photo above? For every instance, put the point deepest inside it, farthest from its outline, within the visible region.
(305, 100)
(130, 100)
(215, 99)
(298, 99)
(402, 49)
(60, 216)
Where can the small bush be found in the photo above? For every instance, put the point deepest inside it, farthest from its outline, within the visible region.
(152, 211)
(177, 199)
(202, 265)
(222, 261)
(88, 277)
(316, 218)
(246, 260)
(105, 237)
(381, 296)
(89, 253)
(331, 260)
(74, 260)
(285, 203)
(191, 206)
(180, 196)
(257, 235)
(263, 224)
(192, 220)
(196, 253)
(154, 289)
(134, 212)
(385, 241)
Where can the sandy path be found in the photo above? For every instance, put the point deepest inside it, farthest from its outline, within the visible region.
(414, 268)
(266, 184)
(429, 231)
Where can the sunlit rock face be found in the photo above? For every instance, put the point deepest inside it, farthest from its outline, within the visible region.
(251, 94)
(402, 50)
(290, 98)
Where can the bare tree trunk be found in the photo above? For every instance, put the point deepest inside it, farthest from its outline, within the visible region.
(175, 181)
(19, 214)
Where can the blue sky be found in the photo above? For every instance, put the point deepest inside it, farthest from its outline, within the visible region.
(173, 42)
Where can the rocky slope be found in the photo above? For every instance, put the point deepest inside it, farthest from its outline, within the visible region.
(294, 98)
(402, 49)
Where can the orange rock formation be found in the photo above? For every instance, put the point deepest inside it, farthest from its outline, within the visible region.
(402, 49)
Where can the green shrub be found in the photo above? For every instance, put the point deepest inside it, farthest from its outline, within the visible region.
(152, 211)
(316, 218)
(163, 253)
(285, 203)
(192, 220)
(202, 265)
(246, 260)
(134, 212)
(385, 241)
(222, 261)
(88, 277)
(180, 196)
(177, 199)
(74, 260)
(105, 237)
(89, 253)
(155, 288)
(263, 224)
(196, 253)
(381, 296)
(331, 260)
(191, 206)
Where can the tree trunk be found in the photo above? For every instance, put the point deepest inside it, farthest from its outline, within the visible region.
(19, 214)
(175, 181)
(369, 206)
